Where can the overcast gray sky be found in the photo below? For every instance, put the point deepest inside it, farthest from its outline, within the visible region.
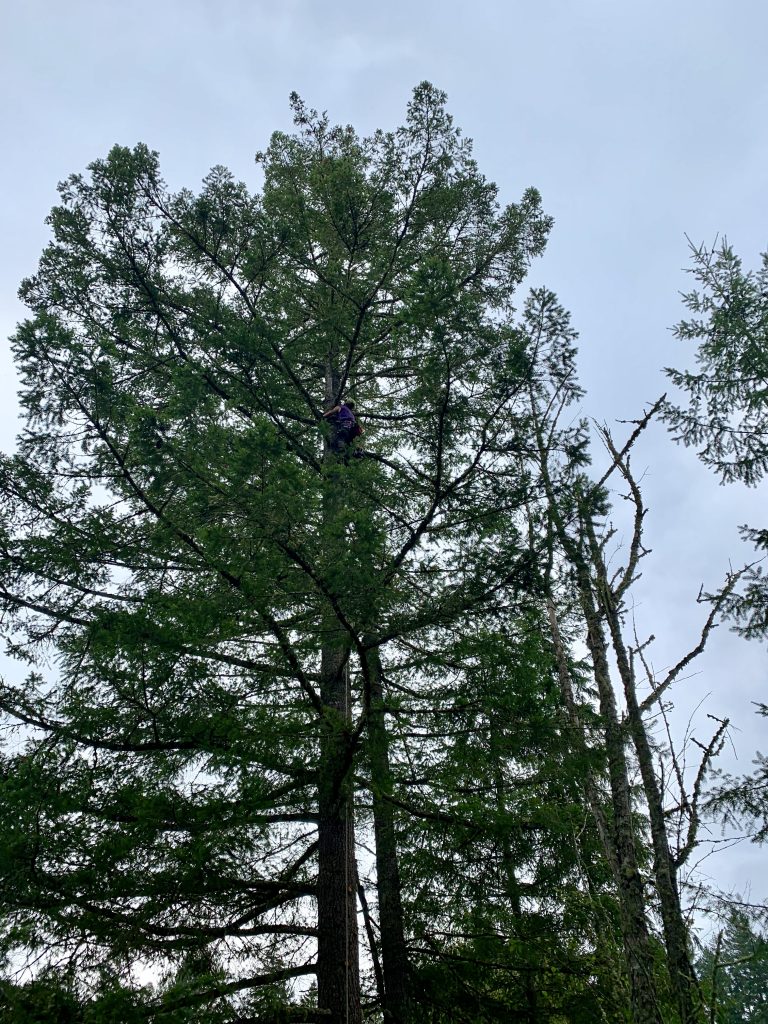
(638, 122)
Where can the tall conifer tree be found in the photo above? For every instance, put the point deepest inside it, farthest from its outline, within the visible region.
(207, 592)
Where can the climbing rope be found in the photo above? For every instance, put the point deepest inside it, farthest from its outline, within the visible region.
(346, 862)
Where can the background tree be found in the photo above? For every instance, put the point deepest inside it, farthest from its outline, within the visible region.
(734, 967)
(503, 875)
(576, 520)
(726, 419)
(741, 801)
(727, 413)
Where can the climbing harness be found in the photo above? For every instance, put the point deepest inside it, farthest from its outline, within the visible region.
(345, 428)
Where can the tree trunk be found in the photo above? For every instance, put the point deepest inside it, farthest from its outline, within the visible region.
(634, 922)
(338, 983)
(338, 980)
(619, 837)
(511, 883)
(394, 953)
(681, 971)
(575, 731)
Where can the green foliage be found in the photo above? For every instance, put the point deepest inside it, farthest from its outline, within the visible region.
(503, 874)
(742, 801)
(728, 394)
(176, 545)
(490, 979)
(182, 552)
(727, 413)
(734, 971)
(51, 996)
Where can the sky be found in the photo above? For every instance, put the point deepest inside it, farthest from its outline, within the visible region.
(640, 124)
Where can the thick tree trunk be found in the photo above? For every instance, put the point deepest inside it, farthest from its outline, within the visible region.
(338, 983)
(394, 952)
(338, 980)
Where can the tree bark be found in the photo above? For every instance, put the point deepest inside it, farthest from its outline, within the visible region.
(338, 977)
(681, 971)
(338, 982)
(394, 952)
(634, 922)
(576, 733)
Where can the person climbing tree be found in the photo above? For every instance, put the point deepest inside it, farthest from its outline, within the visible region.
(345, 427)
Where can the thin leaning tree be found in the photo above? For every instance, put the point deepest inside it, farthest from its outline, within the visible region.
(195, 574)
(661, 814)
